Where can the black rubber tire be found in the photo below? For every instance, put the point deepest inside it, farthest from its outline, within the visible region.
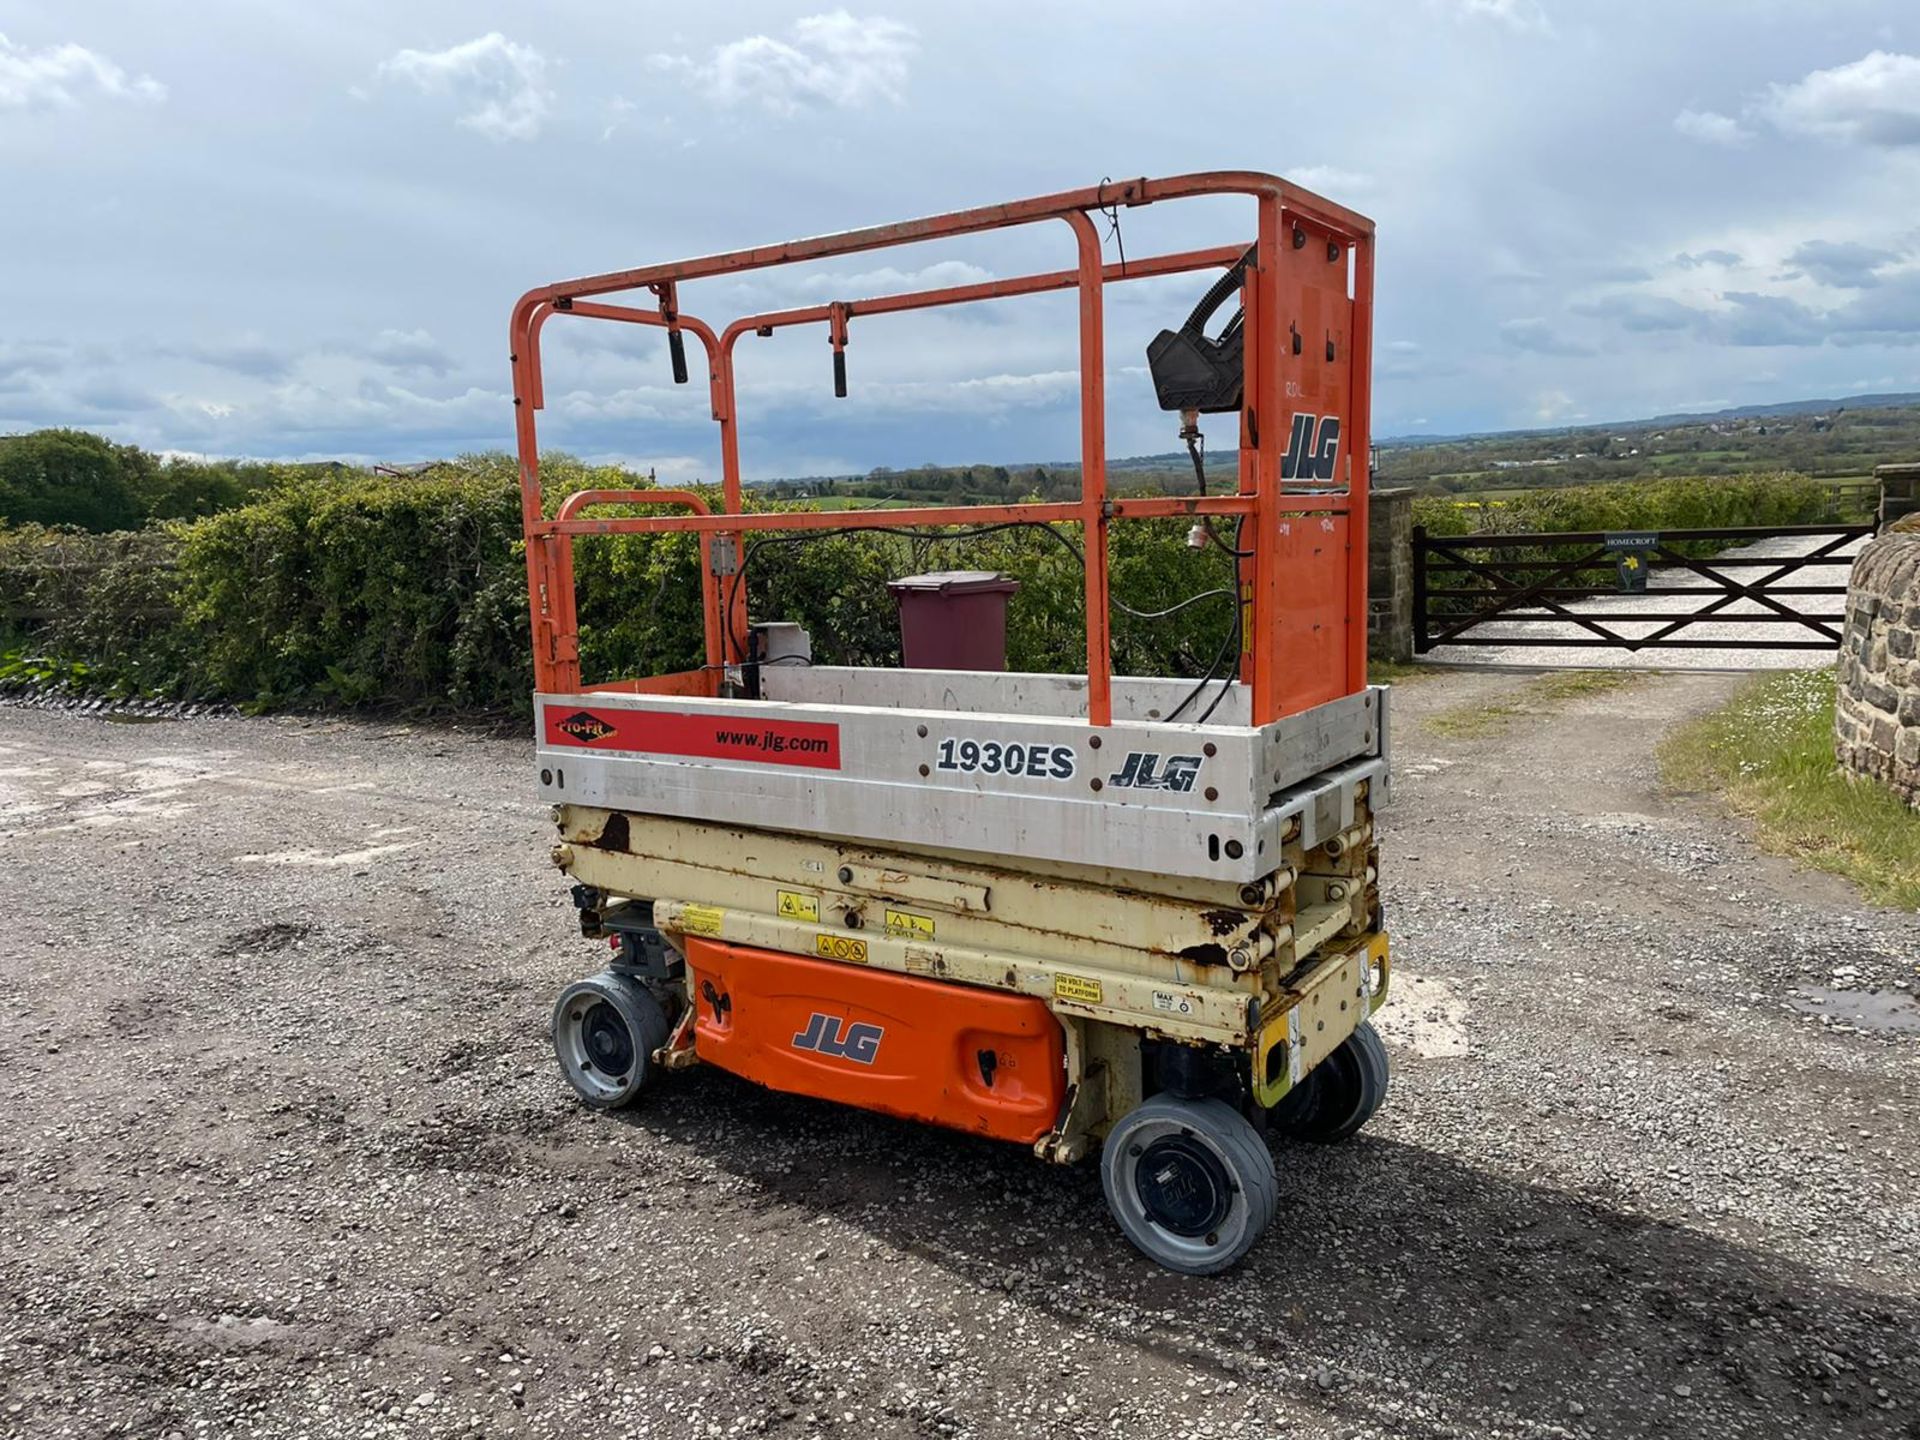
(605, 1030)
(1340, 1094)
(1225, 1146)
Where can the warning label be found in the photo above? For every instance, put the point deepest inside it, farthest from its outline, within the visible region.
(1077, 987)
(905, 925)
(794, 905)
(701, 919)
(840, 947)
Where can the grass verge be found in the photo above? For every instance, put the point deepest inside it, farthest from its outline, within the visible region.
(1395, 672)
(1548, 692)
(1769, 754)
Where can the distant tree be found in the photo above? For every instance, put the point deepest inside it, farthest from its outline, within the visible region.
(189, 489)
(68, 477)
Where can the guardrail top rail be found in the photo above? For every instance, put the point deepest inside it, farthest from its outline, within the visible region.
(1307, 293)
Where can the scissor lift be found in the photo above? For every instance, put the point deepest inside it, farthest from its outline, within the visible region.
(1073, 911)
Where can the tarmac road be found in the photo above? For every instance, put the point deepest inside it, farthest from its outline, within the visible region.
(285, 1152)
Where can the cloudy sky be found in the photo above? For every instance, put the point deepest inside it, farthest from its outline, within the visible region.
(287, 229)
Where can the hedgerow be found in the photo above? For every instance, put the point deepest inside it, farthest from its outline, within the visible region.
(1682, 504)
(356, 589)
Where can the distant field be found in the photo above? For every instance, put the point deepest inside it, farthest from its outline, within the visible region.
(1840, 444)
(859, 502)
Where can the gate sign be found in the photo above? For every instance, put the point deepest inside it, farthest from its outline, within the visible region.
(1629, 549)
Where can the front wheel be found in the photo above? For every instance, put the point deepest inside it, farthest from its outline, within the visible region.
(605, 1030)
(1340, 1094)
(1189, 1182)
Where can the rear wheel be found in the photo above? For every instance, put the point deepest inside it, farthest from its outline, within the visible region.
(1339, 1094)
(605, 1030)
(1189, 1182)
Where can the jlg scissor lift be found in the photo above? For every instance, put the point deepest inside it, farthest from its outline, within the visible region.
(1130, 915)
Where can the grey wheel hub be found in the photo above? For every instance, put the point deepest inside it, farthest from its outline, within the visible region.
(605, 1030)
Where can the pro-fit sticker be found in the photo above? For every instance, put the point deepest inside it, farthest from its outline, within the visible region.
(584, 727)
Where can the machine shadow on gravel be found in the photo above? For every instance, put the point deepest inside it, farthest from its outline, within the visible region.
(1418, 1279)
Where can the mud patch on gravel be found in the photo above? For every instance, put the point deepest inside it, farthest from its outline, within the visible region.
(459, 1143)
(135, 1016)
(325, 1112)
(240, 1332)
(266, 939)
(1657, 841)
(465, 1055)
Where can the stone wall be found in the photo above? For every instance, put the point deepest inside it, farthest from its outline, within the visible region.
(1899, 491)
(1390, 575)
(1877, 723)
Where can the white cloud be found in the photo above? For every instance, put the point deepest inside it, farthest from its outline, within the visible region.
(409, 350)
(1575, 265)
(1329, 180)
(1874, 99)
(1518, 14)
(1552, 405)
(1694, 260)
(500, 86)
(1711, 128)
(1641, 312)
(1842, 264)
(56, 77)
(983, 395)
(883, 280)
(1538, 336)
(248, 356)
(835, 60)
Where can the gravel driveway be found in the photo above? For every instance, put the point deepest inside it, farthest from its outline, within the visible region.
(286, 1153)
(1732, 623)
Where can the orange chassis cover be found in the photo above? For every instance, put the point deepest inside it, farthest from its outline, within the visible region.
(976, 1060)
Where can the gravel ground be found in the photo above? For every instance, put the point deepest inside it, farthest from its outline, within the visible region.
(286, 1153)
(1831, 608)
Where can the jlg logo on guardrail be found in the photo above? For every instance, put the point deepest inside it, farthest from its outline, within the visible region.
(1313, 449)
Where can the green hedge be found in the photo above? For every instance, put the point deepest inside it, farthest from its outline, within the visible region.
(360, 589)
(1689, 504)
(364, 589)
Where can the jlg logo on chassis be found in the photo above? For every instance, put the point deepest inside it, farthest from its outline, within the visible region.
(1142, 772)
(831, 1035)
(1313, 448)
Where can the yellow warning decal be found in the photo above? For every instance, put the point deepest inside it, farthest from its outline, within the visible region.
(701, 919)
(796, 906)
(905, 925)
(1075, 987)
(840, 947)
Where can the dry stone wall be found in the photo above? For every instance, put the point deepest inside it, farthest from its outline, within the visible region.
(1877, 722)
(1390, 575)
